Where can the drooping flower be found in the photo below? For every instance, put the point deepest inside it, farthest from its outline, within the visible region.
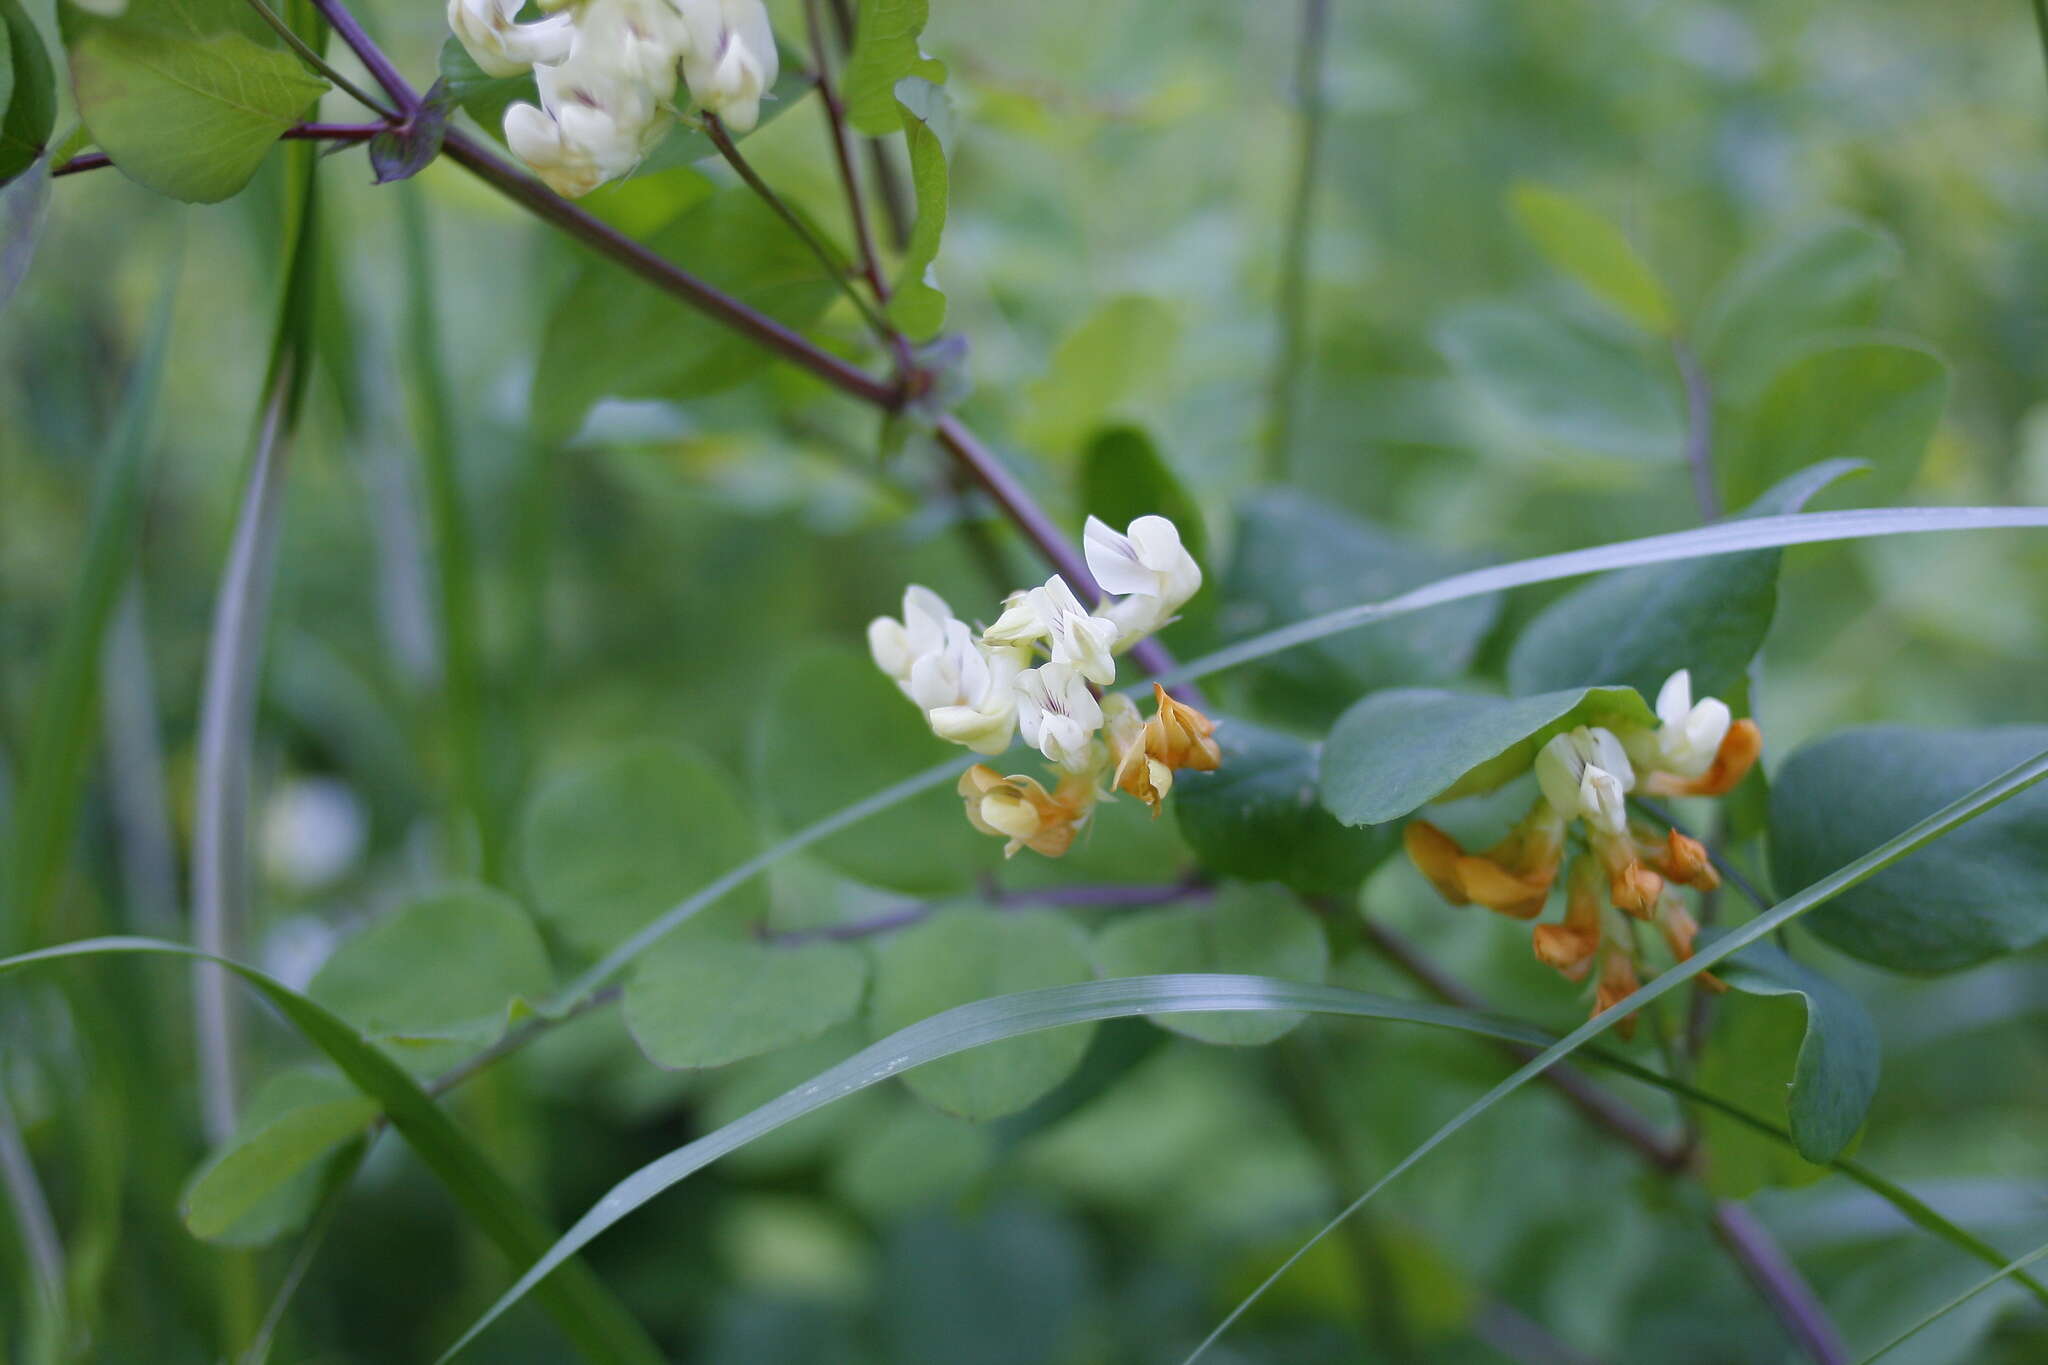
(1058, 714)
(1513, 877)
(1147, 567)
(1018, 808)
(1147, 756)
(898, 645)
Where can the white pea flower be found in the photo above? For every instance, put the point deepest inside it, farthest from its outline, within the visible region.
(1691, 734)
(731, 62)
(1053, 614)
(489, 33)
(1058, 714)
(985, 713)
(1148, 567)
(897, 645)
(1586, 772)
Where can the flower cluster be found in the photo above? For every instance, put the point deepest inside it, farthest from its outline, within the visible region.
(607, 73)
(1628, 869)
(978, 689)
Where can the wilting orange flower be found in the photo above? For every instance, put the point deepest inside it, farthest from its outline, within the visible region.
(1019, 808)
(1738, 753)
(1513, 877)
(1178, 736)
(1618, 981)
(1570, 946)
(1679, 857)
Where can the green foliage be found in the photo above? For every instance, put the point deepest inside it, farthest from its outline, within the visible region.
(1259, 816)
(1399, 750)
(28, 92)
(1974, 896)
(614, 842)
(1579, 240)
(610, 336)
(959, 956)
(922, 846)
(1561, 389)
(392, 979)
(919, 307)
(1832, 278)
(479, 94)
(1097, 370)
(1124, 476)
(1874, 401)
(1294, 559)
(1754, 1047)
(1247, 928)
(264, 1183)
(187, 98)
(885, 52)
(1637, 627)
(1836, 1073)
(703, 999)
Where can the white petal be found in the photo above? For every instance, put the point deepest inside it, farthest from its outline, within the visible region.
(1114, 561)
(890, 646)
(1674, 698)
(1157, 543)
(1558, 769)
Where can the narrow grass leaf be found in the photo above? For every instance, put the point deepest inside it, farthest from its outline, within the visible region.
(2009, 1269)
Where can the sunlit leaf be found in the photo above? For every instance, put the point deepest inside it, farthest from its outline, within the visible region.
(1585, 244)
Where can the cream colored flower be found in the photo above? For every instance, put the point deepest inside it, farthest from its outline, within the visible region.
(489, 33)
(1058, 715)
(731, 63)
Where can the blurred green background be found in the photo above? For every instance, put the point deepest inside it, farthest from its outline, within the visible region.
(1120, 180)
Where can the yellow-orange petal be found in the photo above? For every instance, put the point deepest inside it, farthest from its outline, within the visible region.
(1435, 855)
(1739, 750)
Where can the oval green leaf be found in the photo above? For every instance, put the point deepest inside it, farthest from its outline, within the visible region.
(704, 999)
(1979, 893)
(263, 1183)
(1397, 751)
(1586, 245)
(1835, 1076)
(1829, 279)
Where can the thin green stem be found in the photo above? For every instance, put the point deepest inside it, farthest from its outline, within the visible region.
(1294, 260)
(318, 63)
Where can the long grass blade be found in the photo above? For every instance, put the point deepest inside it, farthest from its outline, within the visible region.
(234, 662)
(1953, 816)
(134, 763)
(43, 1249)
(1730, 538)
(587, 1313)
(2006, 1271)
(987, 1021)
(53, 771)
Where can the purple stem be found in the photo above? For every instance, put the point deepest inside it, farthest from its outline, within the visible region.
(1780, 1283)
(369, 54)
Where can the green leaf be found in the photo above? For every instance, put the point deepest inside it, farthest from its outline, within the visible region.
(1830, 279)
(812, 761)
(187, 96)
(1872, 400)
(1560, 388)
(434, 980)
(963, 955)
(263, 1183)
(1116, 352)
(1397, 751)
(610, 336)
(1636, 628)
(885, 50)
(28, 92)
(701, 999)
(1124, 477)
(1753, 1048)
(1836, 1075)
(1259, 816)
(1250, 929)
(589, 1316)
(613, 843)
(919, 307)
(1980, 893)
(1296, 557)
(1586, 245)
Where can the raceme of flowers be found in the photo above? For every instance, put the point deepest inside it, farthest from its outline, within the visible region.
(1627, 870)
(1039, 669)
(607, 72)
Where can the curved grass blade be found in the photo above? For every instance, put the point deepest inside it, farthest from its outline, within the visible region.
(54, 768)
(587, 1313)
(1757, 533)
(1722, 538)
(2010, 1268)
(2001, 788)
(987, 1021)
(43, 1251)
(234, 661)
